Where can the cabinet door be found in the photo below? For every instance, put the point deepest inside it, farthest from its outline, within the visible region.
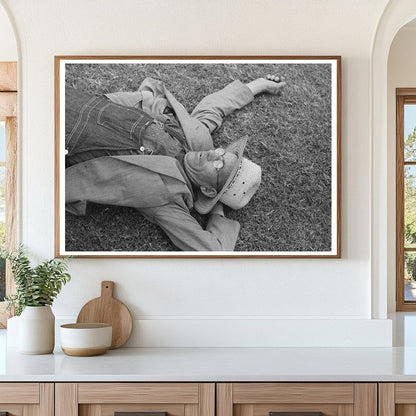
(142, 399)
(297, 399)
(397, 399)
(26, 399)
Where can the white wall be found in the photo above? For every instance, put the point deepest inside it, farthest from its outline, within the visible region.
(203, 302)
(401, 74)
(8, 46)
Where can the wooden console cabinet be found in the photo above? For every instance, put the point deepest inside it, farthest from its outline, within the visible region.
(208, 399)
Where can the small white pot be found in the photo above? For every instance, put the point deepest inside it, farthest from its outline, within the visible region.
(85, 339)
(37, 330)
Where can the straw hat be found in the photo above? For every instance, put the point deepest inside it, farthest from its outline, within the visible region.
(240, 186)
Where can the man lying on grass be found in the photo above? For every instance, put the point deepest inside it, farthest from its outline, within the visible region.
(144, 150)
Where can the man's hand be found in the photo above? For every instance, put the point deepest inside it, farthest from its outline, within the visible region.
(218, 209)
(272, 84)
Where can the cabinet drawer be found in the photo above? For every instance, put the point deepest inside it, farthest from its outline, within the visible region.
(21, 399)
(148, 399)
(19, 393)
(138, 393)
(293, 399)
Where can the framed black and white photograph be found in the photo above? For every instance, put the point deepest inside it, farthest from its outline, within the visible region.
(198, 156)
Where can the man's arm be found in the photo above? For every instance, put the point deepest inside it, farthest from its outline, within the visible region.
(213, 108)
(187, 234)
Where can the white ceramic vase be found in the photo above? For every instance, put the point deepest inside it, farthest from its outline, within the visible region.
(12, 334)
(37, 330)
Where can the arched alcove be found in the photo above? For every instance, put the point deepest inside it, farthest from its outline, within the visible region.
(8, 148)
(401, 74)
(396, 15)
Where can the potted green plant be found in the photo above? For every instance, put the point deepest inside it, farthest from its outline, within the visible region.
(36, 289)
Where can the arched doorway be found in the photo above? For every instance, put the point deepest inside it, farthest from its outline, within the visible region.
(401, 101)
(8, 150)
(395, 16)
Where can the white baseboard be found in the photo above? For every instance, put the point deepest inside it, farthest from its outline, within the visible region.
(255, 332)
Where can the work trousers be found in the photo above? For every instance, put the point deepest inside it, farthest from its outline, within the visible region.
(96, 126)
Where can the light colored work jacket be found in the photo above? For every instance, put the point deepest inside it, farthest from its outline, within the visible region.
(157, 185)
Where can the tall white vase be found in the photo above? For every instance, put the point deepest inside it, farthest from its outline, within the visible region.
(37, 330)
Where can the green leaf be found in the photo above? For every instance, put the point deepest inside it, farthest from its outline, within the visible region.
(35, 286)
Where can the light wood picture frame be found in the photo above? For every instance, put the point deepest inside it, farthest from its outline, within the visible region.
(139, 196)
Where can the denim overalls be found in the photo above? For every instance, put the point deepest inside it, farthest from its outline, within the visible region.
(95, 127)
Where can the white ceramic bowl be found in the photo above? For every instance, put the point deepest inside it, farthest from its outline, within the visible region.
(85, 339)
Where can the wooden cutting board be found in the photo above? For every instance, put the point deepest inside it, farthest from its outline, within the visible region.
(108, 310)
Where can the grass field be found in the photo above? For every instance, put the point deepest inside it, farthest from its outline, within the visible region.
(289, 137)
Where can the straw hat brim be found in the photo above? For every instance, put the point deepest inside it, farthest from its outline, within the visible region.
(204, 204)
